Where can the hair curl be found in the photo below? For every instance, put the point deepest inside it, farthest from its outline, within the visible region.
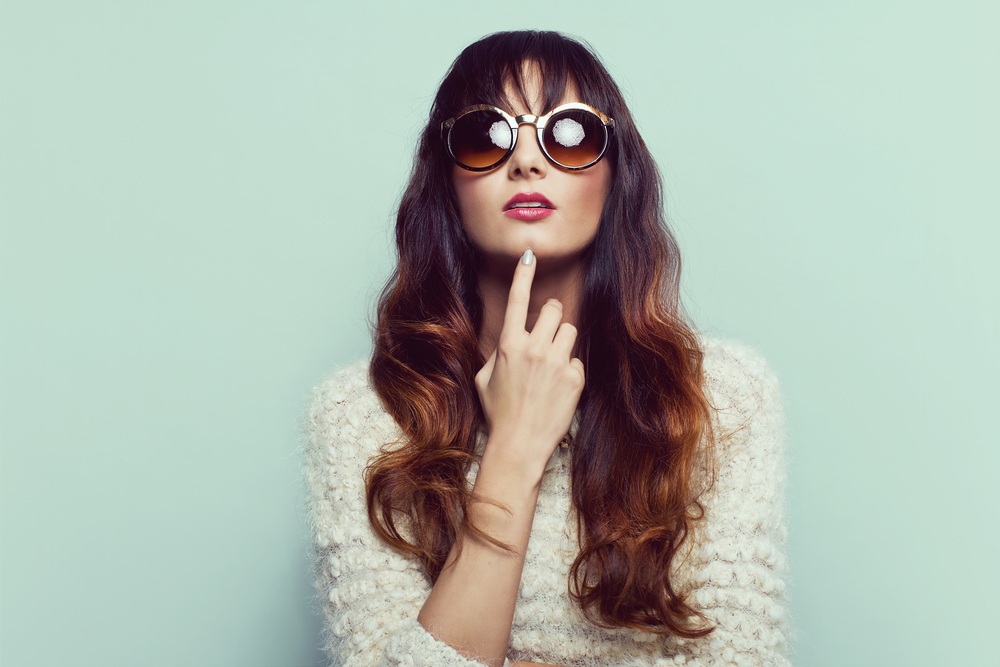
(643, 413)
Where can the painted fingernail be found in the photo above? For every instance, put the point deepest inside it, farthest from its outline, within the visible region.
(528, 257)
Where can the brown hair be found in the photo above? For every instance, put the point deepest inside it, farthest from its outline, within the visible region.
(643, 413)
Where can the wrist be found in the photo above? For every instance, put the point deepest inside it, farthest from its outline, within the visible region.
(511, 483)
(515, 469)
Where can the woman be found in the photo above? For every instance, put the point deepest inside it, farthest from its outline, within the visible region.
(542, 462)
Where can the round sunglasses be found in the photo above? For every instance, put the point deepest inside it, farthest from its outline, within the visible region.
(572, 136)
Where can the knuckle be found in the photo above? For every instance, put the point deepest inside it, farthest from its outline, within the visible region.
(535, 353)
(506, 347)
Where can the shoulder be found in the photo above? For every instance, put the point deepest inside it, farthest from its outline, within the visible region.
(346, 425)
(344, 399)
(345, 404)
(344, 387)
(736, 366)
(748, 421)
(741, 385)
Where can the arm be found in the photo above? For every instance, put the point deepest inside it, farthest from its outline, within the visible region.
(529, 390)
(371, 595)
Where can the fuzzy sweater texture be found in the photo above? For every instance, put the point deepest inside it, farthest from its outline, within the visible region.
(371, 595)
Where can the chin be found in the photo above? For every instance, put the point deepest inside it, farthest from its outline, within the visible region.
(550, 249)
(559, 258)
(546, 245)
(552, 257)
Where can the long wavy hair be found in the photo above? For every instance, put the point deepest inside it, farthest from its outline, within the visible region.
(644, 417)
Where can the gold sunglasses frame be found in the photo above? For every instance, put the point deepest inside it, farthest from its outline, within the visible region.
(540, 122)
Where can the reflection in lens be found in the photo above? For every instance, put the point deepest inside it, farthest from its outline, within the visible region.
(574, 138)
(500, 134)
(480, 139)
(568, 132)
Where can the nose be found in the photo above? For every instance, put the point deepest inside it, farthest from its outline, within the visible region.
(527, 160)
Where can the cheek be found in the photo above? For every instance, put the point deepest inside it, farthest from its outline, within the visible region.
(462, 193)
(595, 192)
(469, 195)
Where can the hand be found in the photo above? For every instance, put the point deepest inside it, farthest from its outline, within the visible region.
(529, 387)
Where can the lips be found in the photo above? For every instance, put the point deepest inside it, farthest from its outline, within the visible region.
(528, 200)
(528, 206)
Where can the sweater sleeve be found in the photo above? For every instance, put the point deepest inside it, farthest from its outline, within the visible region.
(739, 579)
(370, 594)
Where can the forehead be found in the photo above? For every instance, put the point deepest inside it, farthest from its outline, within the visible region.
(529, 93)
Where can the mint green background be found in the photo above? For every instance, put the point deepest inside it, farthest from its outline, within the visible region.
(196, 201)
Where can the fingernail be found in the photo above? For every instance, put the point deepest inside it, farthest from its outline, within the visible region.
(528, 257)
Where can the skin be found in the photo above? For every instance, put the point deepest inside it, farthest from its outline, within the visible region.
(557, 241)
(530, 385)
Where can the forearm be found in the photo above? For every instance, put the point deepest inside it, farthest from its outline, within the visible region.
(471, 607)
(528, 388)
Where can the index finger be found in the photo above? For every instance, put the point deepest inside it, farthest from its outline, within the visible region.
(516, 316)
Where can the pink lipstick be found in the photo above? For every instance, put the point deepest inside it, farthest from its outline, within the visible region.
(528, 206)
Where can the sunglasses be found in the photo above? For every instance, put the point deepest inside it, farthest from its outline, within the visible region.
(572, 136)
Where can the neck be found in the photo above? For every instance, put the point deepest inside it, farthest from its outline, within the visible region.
(553, 280)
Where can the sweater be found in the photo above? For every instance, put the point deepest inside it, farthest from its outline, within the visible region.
(734, 574)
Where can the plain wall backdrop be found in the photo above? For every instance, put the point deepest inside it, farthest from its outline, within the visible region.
(196, 202)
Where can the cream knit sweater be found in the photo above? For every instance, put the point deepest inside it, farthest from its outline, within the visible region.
(372, 595)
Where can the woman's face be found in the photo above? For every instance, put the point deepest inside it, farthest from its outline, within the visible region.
(575, 198)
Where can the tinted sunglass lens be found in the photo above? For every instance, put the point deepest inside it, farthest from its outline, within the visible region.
(575, 138)
(480, 139)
